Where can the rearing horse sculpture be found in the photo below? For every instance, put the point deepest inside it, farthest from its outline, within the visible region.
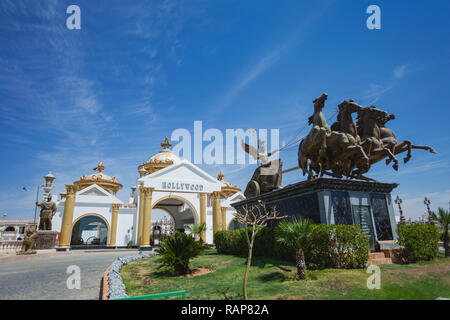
(334, 148)
(390, 140)
(348, 148)
(313, 147)
(343, 144)
(370, 133)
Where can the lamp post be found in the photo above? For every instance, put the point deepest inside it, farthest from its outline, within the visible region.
(49, 177)
(398, 201)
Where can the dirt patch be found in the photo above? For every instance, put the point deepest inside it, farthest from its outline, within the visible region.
(335, 286)
(418, 271)
(145, 278)
(199, 272)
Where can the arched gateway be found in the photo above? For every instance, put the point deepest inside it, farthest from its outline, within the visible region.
(189, 195)
(90, 230)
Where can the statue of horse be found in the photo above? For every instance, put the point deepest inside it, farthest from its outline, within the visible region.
(370, 133)
(313, 146)
(344, 152)
(390, 140)
(333, 151)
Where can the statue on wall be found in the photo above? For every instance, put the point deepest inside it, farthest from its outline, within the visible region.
(29, 242)
(48, 210)
(267, 177)
(348, 149)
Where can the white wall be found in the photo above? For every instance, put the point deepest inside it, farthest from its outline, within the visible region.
(126, 219)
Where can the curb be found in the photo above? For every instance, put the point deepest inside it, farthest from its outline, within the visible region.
(105, 285)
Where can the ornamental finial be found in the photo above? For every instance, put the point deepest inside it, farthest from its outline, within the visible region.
(166, 143)
(99, 167)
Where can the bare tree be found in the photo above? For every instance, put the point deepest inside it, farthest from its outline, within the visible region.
(255, 216)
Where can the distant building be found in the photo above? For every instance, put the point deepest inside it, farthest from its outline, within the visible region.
(14, 229)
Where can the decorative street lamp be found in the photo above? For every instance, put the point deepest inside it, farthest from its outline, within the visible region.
(398, 201)
(49, 177)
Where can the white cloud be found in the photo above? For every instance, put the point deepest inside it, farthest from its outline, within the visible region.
(400, 71)
(254, 72)
(270, 57)
(375, 92)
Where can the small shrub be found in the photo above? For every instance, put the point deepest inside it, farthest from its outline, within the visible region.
(231, 242)
(418, 242)
(177, 251)
(332, 246)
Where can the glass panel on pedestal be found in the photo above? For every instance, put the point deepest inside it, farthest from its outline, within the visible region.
(340, 202)
(362, 217)
(381, 217)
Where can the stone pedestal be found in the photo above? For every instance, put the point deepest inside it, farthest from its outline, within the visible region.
(46, 239)
(337, 201)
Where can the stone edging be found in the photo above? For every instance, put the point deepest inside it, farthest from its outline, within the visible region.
(113, 286)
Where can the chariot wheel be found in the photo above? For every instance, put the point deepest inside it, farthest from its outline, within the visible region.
(252, 189)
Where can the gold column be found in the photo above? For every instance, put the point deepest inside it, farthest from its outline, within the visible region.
(224, 218)
(66, 226)
(115, 215)
(141, 215)
(216, 212)
(203, 214)
(145, 241)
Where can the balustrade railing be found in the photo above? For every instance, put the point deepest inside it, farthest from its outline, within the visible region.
(10, 245)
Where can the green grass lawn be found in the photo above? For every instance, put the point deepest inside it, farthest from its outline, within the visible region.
(273, 279)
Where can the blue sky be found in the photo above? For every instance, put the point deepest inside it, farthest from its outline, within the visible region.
(137, 70)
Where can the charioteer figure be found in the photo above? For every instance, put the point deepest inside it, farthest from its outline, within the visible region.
(267, 177)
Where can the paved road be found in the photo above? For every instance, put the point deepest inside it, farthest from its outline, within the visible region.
(45, 278)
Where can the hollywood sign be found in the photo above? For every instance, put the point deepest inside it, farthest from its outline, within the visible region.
(182, 186)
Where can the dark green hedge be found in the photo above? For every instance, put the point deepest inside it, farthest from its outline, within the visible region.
(333, 246)
(418, 242)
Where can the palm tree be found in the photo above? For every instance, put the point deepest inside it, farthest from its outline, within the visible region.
(443, 218)
(198, 229)
(296, 234)
(176, 252)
